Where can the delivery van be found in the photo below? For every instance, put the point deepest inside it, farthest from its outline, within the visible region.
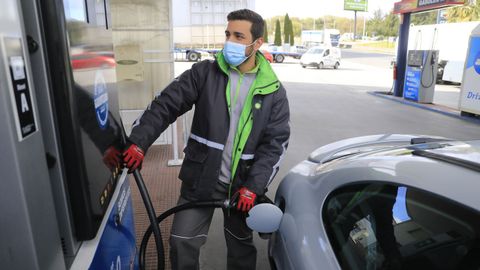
(321, 57)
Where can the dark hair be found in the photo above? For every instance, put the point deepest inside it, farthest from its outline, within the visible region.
(248, 15)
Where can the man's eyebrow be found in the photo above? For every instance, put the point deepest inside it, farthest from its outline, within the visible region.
(239, 34)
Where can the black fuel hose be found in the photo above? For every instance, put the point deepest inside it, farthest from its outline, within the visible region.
(155, 221)
(152, 217)
(164, 215)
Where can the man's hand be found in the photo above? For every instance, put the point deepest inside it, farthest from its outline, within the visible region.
(246, 199)
(111, 157)
(133, 157)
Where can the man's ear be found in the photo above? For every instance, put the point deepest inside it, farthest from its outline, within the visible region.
(259, 43)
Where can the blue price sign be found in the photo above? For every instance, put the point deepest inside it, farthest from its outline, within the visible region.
(412, 83)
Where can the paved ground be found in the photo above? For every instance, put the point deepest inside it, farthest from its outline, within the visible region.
(326, 105)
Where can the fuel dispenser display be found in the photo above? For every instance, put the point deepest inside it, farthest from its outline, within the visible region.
(421, 75)
(65, 198)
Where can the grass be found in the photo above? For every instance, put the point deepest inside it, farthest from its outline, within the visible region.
(377, 44)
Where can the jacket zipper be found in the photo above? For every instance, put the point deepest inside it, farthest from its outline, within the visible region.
(231, 173)
(243, 128)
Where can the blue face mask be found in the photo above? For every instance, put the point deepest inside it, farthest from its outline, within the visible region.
(234, 53)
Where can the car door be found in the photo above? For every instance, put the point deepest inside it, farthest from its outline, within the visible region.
(327, 56)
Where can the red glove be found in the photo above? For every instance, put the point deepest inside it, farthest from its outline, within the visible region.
(133, 157)
(111, 157)
(246, 198)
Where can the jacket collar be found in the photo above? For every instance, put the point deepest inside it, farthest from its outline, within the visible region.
(266, 78)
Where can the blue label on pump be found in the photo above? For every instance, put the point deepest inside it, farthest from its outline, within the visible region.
(117, 249)
(101, 100)
(412, 83)
(473, 59)
(476, 64)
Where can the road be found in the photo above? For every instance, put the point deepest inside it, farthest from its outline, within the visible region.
(381, 60)
(329, 105)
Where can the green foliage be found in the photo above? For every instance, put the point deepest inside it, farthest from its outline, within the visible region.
(288, 30)
(265, 32)
(391, 25)
(286, 33)
(429, 17)
(278, 34)
(466, 13)
(380, 25)
(383, 24)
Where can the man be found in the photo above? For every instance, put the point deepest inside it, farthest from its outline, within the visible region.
(239, 135)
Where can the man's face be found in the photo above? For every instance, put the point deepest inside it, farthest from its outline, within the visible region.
(238, 31)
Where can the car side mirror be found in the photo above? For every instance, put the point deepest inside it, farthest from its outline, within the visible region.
(264, 218)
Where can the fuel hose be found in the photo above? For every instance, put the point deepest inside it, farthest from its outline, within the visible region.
(155, 221)
(152, 217)
(164, 215)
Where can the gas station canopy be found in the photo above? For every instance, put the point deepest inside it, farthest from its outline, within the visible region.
(411, 6)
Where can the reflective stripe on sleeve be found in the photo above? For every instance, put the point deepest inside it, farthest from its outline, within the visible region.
(247, 156)
(207, 142)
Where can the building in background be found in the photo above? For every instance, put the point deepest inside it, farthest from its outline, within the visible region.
(201, 23)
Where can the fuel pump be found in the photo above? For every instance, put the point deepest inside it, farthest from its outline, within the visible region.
(65, 199)
(470, 94)
(421, 73)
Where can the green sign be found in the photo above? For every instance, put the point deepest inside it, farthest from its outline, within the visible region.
(358, 5)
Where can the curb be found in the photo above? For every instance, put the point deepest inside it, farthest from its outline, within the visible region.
(430, 107)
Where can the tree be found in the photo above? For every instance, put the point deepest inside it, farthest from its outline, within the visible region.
(423, 18)
(391, 25)
(287, 30)
(265, 32)
(296, 27)
(375, 24)
(278, 34)
(466, 13)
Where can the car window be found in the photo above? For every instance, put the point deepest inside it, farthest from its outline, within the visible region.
(382, 226)
(327, 52)
(315, 51)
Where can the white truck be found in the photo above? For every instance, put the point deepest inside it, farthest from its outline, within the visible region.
(329, 37)
(451, 39)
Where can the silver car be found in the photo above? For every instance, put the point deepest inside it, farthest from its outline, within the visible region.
(379, 202)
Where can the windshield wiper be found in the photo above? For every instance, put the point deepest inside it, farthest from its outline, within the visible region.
(452, 160)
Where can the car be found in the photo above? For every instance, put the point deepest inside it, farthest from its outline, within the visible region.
(320, 57)
(268, 56)
(379, 202)
(92, 60)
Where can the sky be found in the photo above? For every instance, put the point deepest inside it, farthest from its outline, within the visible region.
(315, 8)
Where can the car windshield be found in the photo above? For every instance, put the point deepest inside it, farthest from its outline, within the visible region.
(315, 51)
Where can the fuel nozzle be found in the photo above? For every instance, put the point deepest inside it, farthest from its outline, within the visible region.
(231, 203)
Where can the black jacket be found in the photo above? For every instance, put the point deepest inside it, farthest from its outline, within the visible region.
(204, 86)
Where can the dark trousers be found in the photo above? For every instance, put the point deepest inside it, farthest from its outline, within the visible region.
(190, 230)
